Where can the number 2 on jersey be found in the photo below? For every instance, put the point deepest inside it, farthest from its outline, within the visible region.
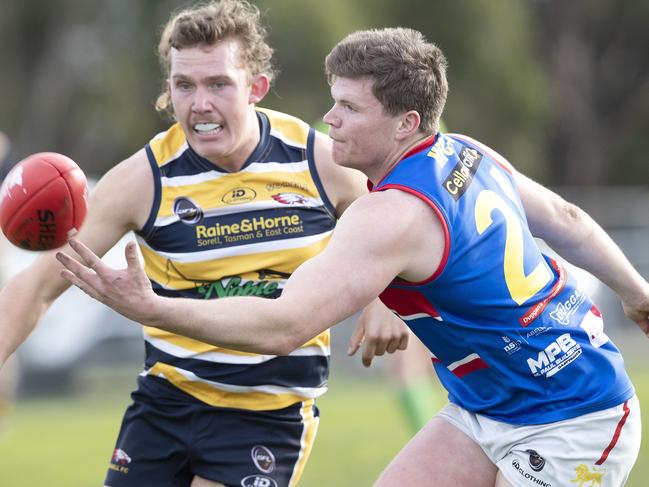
(521, 287)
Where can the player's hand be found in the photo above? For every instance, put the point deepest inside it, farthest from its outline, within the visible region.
(638, 311)
(128, 291)
(378, 330)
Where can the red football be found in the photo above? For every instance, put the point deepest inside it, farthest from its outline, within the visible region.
(43, 201)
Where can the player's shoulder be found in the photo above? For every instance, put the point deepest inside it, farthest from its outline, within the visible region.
(289, 128)
(127, 187)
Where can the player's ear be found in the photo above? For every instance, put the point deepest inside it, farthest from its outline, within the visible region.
(408, 124)
(258, 88)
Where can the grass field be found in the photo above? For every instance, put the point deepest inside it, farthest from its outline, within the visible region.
(67, 442)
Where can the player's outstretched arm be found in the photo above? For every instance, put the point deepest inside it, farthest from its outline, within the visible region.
(574, 235)
(373, 243)
(27, 295)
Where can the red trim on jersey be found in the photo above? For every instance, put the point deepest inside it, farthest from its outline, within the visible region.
(465, 369)
(447, 237)
(595, 310)
(535, 311)
(616, 435)
(500, 160)
(407, 302)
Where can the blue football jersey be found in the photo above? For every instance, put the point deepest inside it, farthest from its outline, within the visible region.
(513, 335)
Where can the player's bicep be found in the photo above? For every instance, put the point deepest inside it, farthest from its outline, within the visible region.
(357, 264)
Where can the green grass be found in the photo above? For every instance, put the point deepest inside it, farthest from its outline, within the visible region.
(67, 442)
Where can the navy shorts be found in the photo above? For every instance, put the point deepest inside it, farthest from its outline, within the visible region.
(167, 437)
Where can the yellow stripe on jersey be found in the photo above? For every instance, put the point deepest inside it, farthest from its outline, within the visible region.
(166, 145)
(213, 395)
(186, 275)
(311, 423)
(293, 130)
(322, 341)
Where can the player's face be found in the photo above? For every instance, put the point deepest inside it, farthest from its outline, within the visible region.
(363, 134)
(213, 100)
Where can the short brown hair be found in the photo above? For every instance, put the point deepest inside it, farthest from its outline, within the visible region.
(208, 23)
(408, 72)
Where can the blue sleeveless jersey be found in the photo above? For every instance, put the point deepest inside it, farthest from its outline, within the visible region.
(513, 335)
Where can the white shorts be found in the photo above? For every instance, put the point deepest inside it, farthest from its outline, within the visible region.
(597, 449)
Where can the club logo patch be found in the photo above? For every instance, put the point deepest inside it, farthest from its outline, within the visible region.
(187, 211)
(537, 462)
(263, 458)
(289, 198)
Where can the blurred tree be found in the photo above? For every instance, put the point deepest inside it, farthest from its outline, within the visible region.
(597, 55)
(81, 76)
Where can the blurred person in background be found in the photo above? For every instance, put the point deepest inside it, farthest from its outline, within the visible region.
(539, 394)
(229, 201)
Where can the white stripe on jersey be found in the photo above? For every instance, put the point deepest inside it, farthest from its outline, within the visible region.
(226, 358)
(465, 360)
(308, 392)
(276, 133)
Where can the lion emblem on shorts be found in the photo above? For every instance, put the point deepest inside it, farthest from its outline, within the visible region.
(586, 478)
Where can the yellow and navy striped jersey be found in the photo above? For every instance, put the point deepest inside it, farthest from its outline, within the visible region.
(213, 234)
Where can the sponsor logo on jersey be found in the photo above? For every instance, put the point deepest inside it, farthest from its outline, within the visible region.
(584, 476)
(529, 476)
(536, 461)
(258, 481)
(187, 210)
(236, 196)
(511, 346)
(119, 461)
(249, 229)
(289, 198)
(461, 176)
(442, 151)
(537, 331)
(270, 187)
(555, 357)
(236, 286)
(566, 309)
(263, 458)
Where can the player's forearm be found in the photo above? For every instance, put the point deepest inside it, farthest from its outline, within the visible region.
(20, 310)
(585, 244)
(242, 323)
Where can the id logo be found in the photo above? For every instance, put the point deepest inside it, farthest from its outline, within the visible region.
(258, 481)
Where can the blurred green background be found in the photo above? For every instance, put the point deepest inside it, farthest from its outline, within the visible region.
(67, 442)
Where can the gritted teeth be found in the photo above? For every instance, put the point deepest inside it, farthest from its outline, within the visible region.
(205, 127)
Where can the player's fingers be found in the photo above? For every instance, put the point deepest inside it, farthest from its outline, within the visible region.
(80, 283)
(403, 343)
(393, 345)
(368, 353)
(76, 268)
(356, 339)
(132, 260)
(88, 256)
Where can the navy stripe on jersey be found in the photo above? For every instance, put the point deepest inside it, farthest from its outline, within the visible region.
(183, 238)
(284, 371)
(316, 174)
(146, 230)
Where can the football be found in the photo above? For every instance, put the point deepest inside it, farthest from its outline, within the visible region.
(43, 201)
